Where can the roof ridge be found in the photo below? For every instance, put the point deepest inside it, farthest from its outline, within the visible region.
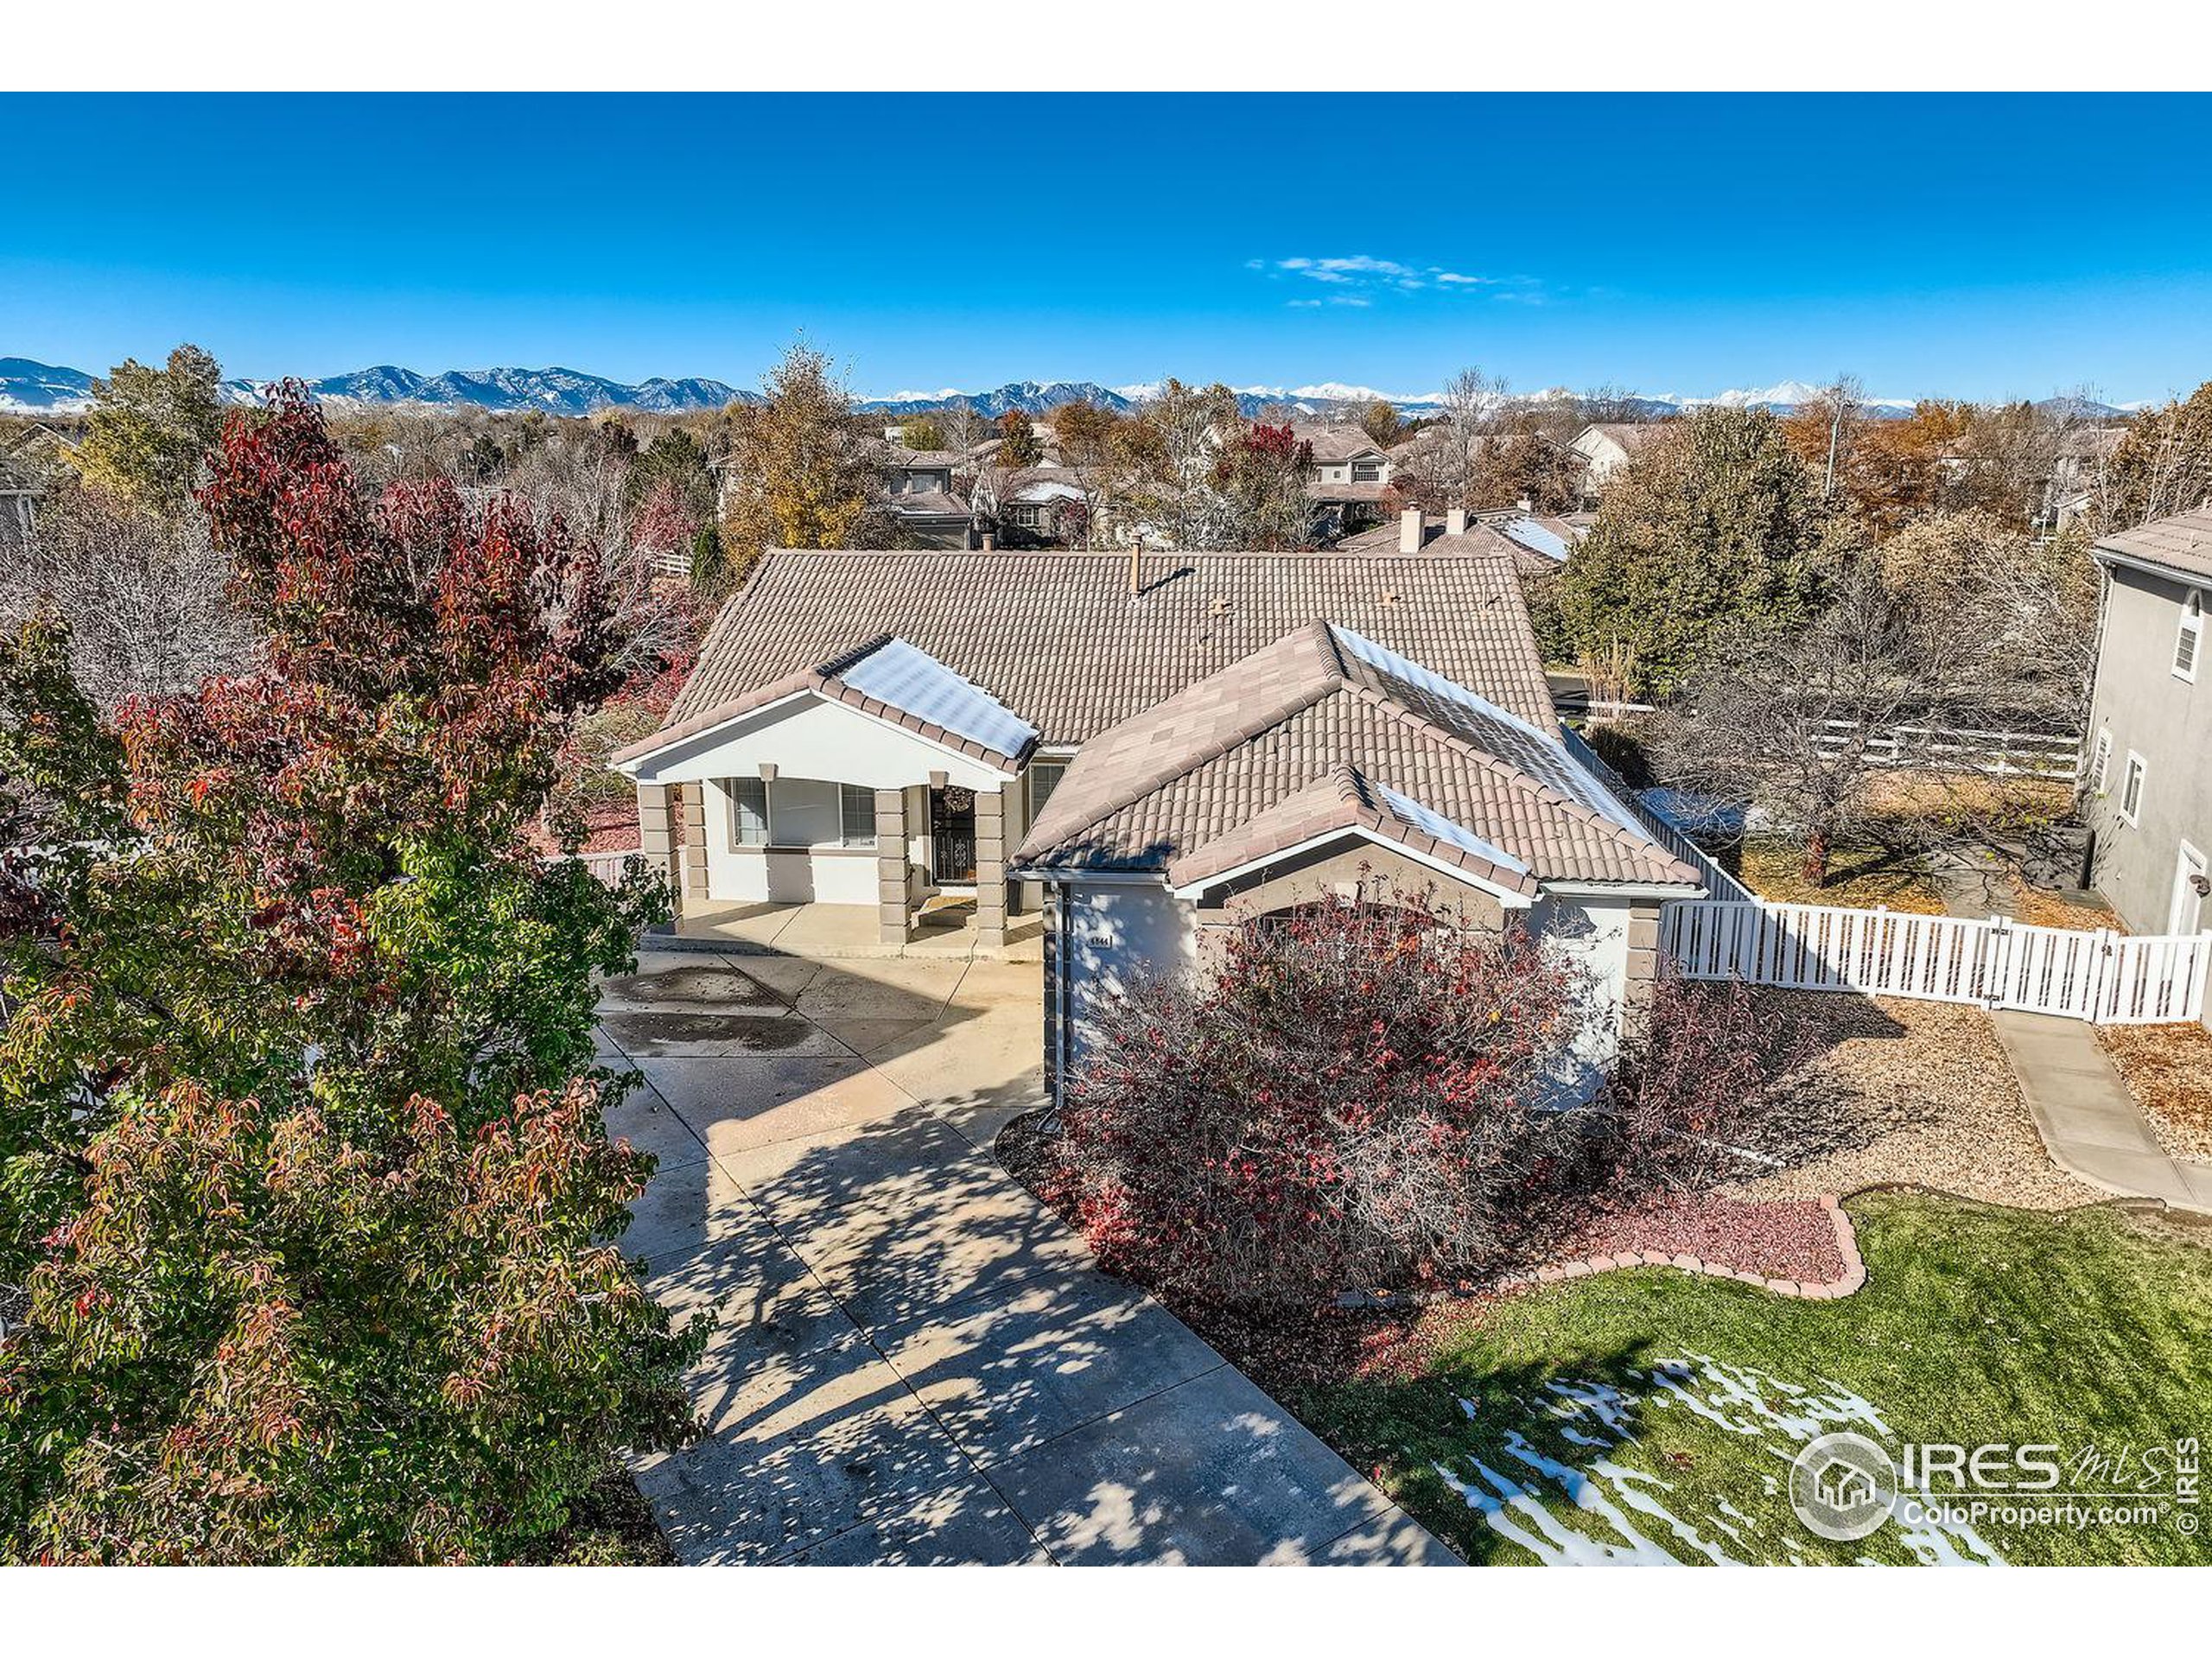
(1160, 777)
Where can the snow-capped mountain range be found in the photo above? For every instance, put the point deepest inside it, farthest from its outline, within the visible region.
(33, 388)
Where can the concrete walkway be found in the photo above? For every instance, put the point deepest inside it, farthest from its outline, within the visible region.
(2089, 1120)
(916, 1363)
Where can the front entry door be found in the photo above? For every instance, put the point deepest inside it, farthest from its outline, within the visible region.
(952, 834)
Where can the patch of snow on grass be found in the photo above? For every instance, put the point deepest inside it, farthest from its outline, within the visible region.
(1628, 1516)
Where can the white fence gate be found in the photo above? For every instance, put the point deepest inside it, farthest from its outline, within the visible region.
(2107, 977)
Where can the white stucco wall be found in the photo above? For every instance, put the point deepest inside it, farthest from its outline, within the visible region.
(827, 875)
(812, 738)
(1115, 934)
(1593, 933)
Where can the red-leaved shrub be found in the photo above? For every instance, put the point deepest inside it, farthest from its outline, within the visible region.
(1383, 1095)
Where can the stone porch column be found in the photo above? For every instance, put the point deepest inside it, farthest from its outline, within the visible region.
(990, 870)
(695, 846)
(657, 805)
(1643, 977)
(890, 866)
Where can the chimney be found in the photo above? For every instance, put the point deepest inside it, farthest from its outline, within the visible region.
(1455, 522)
(1526, 506)
(1136, 567)
(1409, 530)
(990, 542)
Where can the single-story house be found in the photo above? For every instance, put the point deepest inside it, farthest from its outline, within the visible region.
(2148, 770)
(1144, 749)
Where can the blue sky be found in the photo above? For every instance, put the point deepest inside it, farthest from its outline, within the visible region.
(1981, 246)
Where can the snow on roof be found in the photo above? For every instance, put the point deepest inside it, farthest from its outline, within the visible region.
(1442, 828)
(909, 678)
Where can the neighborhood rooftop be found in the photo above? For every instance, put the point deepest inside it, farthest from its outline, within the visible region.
(1057, 638)
(1326, 730)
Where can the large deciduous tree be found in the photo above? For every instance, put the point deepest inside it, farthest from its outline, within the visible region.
(1716, 523)
(1262, 473)
(803, 472)
(303, 1189)
(2162, 467)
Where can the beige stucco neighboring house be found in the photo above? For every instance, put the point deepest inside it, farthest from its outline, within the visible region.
(1139, 747)
(2148, 769)
(1608, 446)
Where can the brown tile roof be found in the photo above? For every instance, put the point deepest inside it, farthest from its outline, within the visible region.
(1631, 436)
(1056, 637)
(1319, 730)
(1334, 443)
(928, 504)
(1476, 539)
(828, 679)
(2182, 543)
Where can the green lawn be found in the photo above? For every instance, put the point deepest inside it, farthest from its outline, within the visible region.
(1977, 1326)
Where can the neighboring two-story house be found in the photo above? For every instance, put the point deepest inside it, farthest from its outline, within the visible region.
(1607, 448)
(917, 486)
(2149, 765)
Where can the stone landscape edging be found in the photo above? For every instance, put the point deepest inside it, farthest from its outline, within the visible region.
(1847, 1239)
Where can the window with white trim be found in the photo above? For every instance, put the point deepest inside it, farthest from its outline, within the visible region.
(856, 809)
(2131, 793)
(2101, 764)
(749, 801)
(2189, 638)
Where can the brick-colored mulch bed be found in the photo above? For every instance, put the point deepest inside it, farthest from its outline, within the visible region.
(611, 829)
(2169, 1070)
(1793, 1240)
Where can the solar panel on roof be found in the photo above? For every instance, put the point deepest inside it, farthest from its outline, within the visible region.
(910, 679)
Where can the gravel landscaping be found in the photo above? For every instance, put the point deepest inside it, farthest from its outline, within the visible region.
(1922, 1095)
(2169, 1070)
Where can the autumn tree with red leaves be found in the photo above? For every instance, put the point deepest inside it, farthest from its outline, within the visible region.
(304, 1188)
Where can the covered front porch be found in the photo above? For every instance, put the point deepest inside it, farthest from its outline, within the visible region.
(866, 806)
(942, 925)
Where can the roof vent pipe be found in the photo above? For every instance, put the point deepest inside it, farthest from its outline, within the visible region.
(1136, 567)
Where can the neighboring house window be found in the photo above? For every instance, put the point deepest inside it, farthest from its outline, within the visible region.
(1366, 472)
(2189, 643)
(856, 807)
(2100, 765)
(1025, 513)
(1044, 779)
(749, 801)
(2131, 793)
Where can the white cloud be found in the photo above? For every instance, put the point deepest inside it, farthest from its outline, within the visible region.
(1365, 274)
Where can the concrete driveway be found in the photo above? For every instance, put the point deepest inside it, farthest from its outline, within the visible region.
(916, 1363)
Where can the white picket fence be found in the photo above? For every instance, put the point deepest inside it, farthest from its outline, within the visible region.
(605, 867)
(2103, 976)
